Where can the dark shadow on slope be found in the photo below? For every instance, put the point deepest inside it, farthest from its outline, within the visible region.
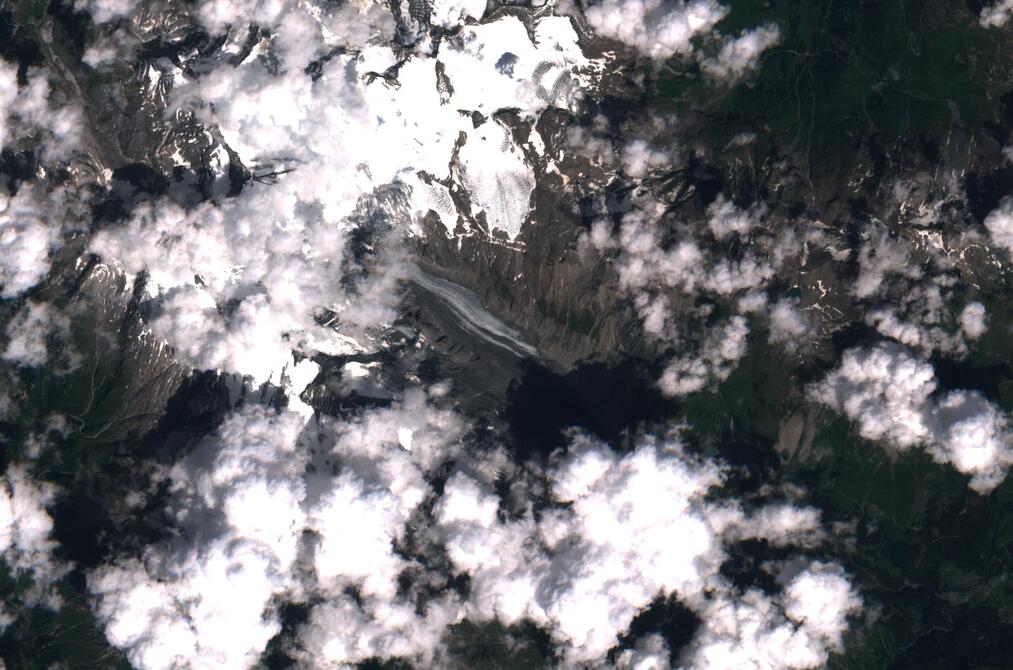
(292, 616)
(986, 191)
(195, 410)
(605, 401)
(667, 617)
(964, 375)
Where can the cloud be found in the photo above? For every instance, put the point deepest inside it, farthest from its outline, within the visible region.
(728, 277)
(24, 244)
(643, 260)
(343, 632)
(241, 296)
(741, 55)
(660, 264)
(789, 325)
(28, 330)
(999, 223)
(214, 617)
(892, 397)
(208, 598)
(25, 525)
(973, 436)
(277, 277)
(26, 544)
(885, 390)
(917, 323)
(585, 569)
(450, 13)
(32, 112)
(26, 239)
(997, 14)
(660, 30)
(880, 256)
(683, 264)
(382, 460)
(719, 352)
(906, 293)
(650, 653)
(497, 556)
(796, 628)
(104, 11)
(242, 283)
(725, 219)
(8, 94)
(30, 220)
(973, 320)
(639, 158)
(656, 29)
(590, 143)
(263, 512)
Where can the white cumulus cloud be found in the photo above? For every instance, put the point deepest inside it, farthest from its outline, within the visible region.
(656, 29)
(999, 223)
(741, 55)
(997, 14)
(891, 396)
(974, 320)
(27, 237)
(585, 570)
(28, 330)
(26, 542)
